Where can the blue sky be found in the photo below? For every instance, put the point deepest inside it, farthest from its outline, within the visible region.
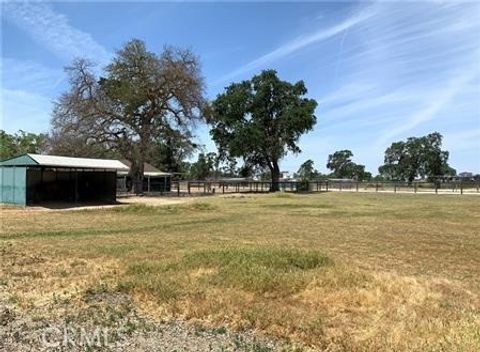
(381, 71)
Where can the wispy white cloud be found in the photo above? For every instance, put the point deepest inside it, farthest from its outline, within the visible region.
(54, 31)
(435, 106)
(464, 140)
(29, 75)
(407, 70)
(298, 44)
(27, 90)
(21, 109)
(28, 87)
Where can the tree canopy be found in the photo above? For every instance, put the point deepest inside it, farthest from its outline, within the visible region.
(416, 157)
(169, 153)
(342, 166)
(260, 120)
(307, 171)
(204, 167)
(140, 97)
(20, 143)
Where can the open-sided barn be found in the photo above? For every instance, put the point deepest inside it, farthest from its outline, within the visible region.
(154, 180)
(32, 178)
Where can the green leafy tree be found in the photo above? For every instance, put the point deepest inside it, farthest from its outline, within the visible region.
(169, 153)
(416, 157)
(342, 166)
(7, 145)
(139, 97)
(204, 167)
(20, 143)
(341, 163)
(307, 170)
(261, 120)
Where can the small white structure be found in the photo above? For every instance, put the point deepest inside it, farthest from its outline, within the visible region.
(154, 180)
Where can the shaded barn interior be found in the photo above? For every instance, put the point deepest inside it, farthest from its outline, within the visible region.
(70, 185)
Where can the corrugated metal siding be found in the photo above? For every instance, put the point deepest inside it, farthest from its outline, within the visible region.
(13, 187)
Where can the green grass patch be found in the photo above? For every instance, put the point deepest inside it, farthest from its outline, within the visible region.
(271, 270)
(144, 209)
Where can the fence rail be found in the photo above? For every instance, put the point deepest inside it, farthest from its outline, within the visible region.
(182, 188)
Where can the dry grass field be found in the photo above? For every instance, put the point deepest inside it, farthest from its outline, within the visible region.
(329, 271)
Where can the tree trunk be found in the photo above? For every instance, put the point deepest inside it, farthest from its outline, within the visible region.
(136, 172)
(275, 172)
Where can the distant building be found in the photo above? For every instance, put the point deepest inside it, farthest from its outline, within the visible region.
(285, 175)
(154, 180)
(465, 174)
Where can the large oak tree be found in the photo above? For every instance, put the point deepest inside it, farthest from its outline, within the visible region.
(140, 97)
(342, 166)
(416, 157)
(261, 120)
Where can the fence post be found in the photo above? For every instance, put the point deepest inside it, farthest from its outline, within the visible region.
(461, 187)
(326, 186)
(415, 188)
(436, 188)
(178, 188)
(356, 186)
(188, 187)
(394, 187)
(376, 186)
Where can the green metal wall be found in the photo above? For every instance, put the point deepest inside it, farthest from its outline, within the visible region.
(13, 185)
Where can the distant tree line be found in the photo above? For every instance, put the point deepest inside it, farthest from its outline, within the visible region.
(415, 158)
(20, 143)
(144, 106)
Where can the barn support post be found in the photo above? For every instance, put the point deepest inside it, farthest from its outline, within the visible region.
(76, 186)
(326, 186)
(178, 188)
(148, 184)
(188, 187)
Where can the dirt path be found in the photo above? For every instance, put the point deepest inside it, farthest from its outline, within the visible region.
(122, 330)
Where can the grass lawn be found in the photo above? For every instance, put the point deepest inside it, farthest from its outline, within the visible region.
(347, 271)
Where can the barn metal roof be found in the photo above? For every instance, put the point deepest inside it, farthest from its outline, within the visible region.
(148, 169)
(64, 161)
